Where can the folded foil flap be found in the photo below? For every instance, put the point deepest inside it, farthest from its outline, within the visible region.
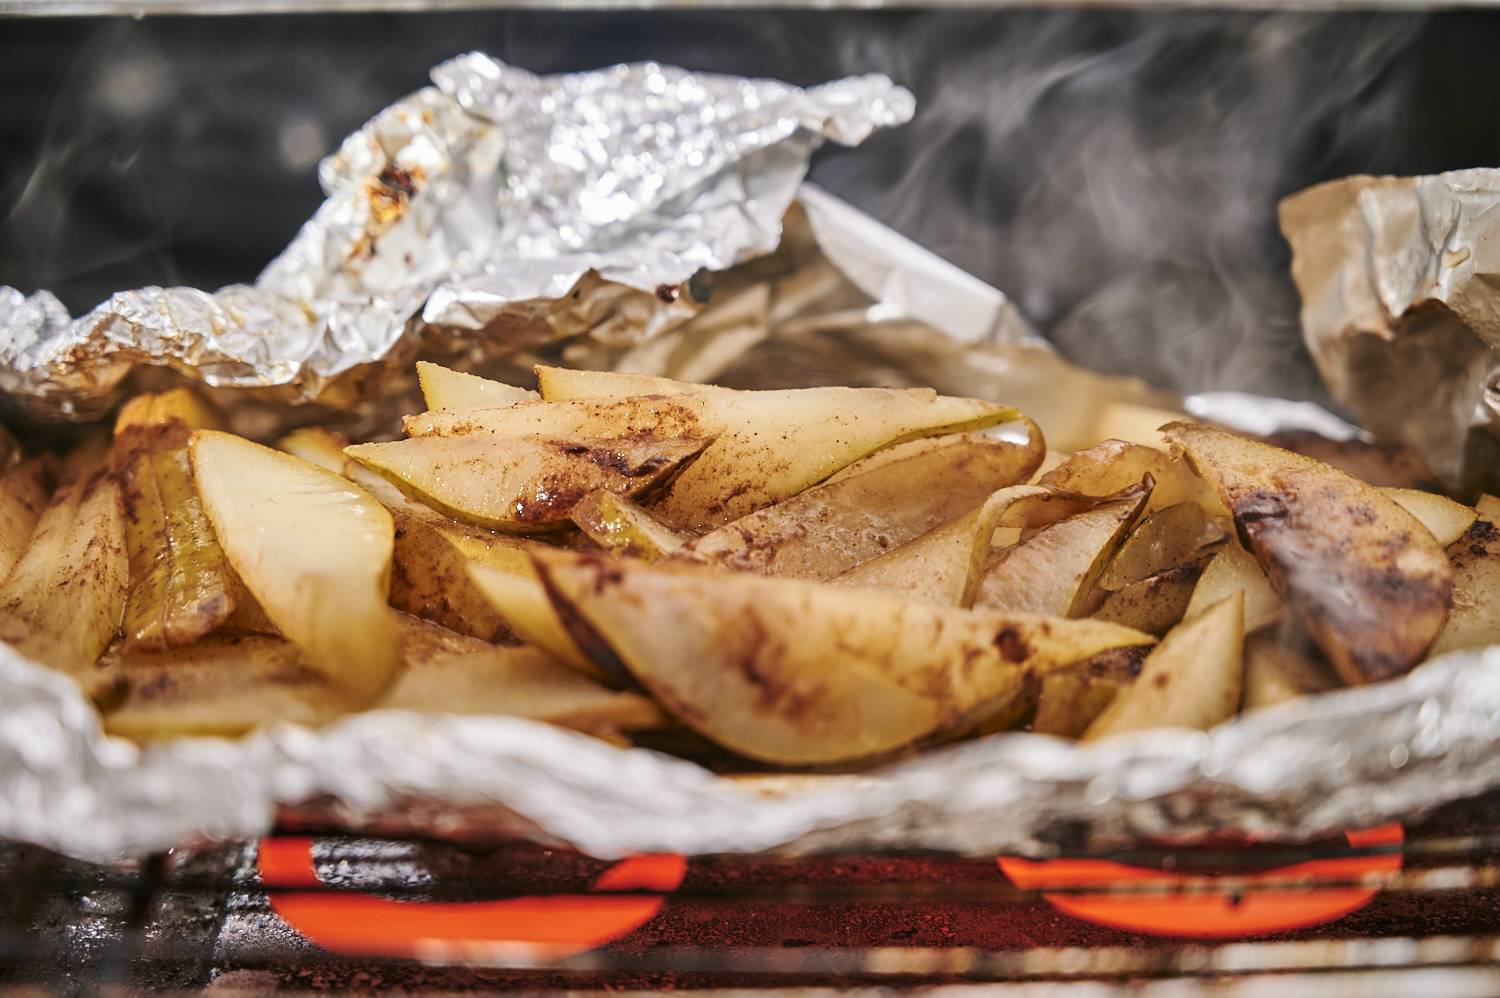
(1400, 308)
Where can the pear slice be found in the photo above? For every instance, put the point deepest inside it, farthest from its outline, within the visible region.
(1276, 672)
(313, 548)
(525, 484)
(62, 601)
(1052, 572)
(774, 444)
(623, 528)
(562, 383)
(1474, 620)
(1156, 603)
(944, 565)
(799, 673)
(1366, 579)
(1070, 700)
(1444, 519)
(508, 580)
(446, 389)
(1191, 680)
(23, 495)
(1164, 539)
(317, 445)
(1233, 569)
(1488, 508)
(181, 585)
(829, 529)
(1114, 465)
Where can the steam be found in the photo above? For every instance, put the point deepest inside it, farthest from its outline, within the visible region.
(1117, 173)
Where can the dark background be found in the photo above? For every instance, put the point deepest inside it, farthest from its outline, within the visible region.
(1116, 172)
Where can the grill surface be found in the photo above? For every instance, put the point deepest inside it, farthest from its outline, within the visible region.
(241, 915)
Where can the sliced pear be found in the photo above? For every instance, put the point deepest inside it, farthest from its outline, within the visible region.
(621, 527)
(1276, 672)
(1052, 572)
(1488, 508)
(1232, 569)
(1365, 578)
(1164, 539)
(524, 484)
(512, 587)
(447, 673)
(1114, 465)
(799, 673)
(23, 495)
(1474, 620)
(774, 444)
(430, 576)
(944, 565)
(656, 416)
(1192, 679)
(312, 547)
(446, 389)
(181, 585)
(1071, 699)
(1444, 519)
(224, 685)
(1156, 603)
(914, 448)
(829, 529)
(61, 603)
(319, 446)
(561, 383)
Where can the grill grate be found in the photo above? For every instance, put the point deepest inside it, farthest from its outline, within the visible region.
(1383, 913)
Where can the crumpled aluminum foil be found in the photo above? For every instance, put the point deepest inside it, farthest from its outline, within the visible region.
(474, 206)
(1399, 308)
(840, 298)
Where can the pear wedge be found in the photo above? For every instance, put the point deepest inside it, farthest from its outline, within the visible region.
(181, 585)
(23, 495)
(1052, 572)
(1192, 679)
(525, 484)
(1474, 620)
(319, 446)
(1369, 583)
(944, 565)
(829, 529)
(1488, 508)
(313, 548)
(1156, 603)
(1114, 465)
(1276, 672)
(61, 603)
(775, 444)
(1069, 700)
(506, 578)
(800, 673)
(447, 389)
(1162, 540)
(1444, 519)
(623, 528)
(1233, 569)
(638, 416)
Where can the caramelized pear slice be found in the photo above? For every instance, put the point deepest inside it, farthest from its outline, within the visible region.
(23, 496)
(524, 484)
(1052, 572)
(774, 444)
(1365, 578)
(313, 548)
(181, 585)
(447, 389)
(1191, 680)
(944, 565)
(623, 528)
(1233, 569)
(62, 601)
(1164, 539)
(1156, 603)
(1070, 700)
(1276, 672)
(829, 529)
(317, 445)
(507, 579)
(800, 673)
(1113, 465)
(1444, 519)
(1474, 620)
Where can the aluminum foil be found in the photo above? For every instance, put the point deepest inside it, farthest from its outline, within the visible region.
(837, 299)
(1399, 307)
(475, 207)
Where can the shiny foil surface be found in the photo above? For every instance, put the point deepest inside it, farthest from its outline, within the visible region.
(463, 212)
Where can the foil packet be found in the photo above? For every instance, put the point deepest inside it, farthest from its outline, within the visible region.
(1397, 277)
(806, 290)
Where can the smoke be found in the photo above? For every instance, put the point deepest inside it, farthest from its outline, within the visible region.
(1117, 172)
